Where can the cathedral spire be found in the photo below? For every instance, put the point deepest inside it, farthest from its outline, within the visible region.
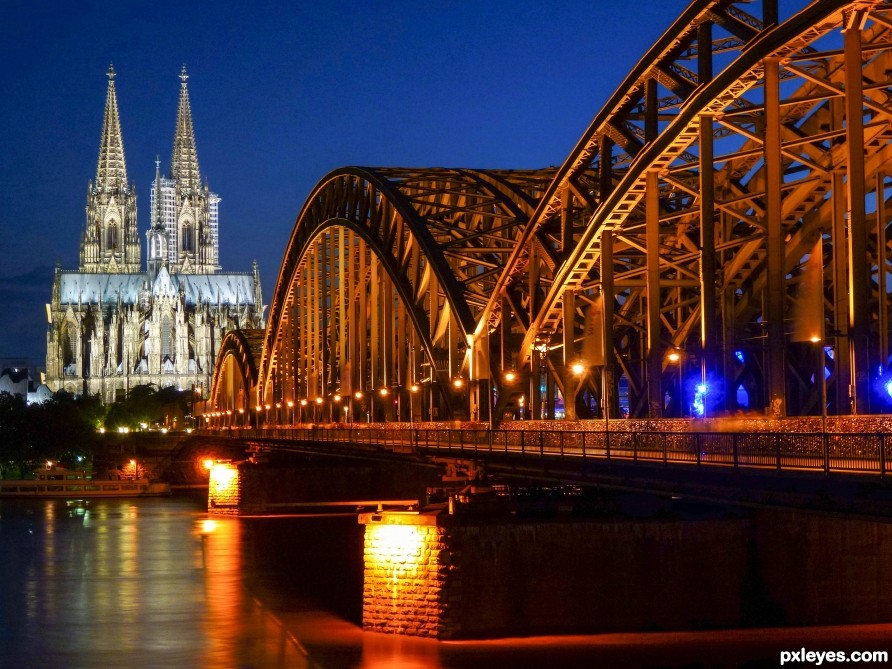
(184, 165)
(112, 171)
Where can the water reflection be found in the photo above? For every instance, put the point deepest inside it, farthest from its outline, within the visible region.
(114, 583)
(157, 583)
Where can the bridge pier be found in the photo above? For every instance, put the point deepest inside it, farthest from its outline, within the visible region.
(445, 576)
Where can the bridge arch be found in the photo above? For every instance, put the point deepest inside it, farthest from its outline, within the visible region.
(234, 391)
(717, 240)
(381, 286)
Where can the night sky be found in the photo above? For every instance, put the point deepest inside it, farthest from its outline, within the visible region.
(282, 93)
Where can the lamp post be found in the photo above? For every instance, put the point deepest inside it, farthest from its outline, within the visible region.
(674, 358)
(317, 409)
(241, 416)
(291, 406)
(384, 392)
(458, 384)
(278, 413)
(303, 405)
(336, 408)
(358, 397)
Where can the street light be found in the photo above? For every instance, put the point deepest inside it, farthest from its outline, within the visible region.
(674, 358)
(291, 406)
(335, 408)
(358, 396)
(303, 405)
(319, 406)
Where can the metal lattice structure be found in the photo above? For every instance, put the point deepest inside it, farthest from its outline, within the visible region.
(716, 241)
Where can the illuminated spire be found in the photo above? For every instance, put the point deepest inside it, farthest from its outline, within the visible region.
(112, 171)
(184, 165)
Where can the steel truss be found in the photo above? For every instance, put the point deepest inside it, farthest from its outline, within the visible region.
(724, 217)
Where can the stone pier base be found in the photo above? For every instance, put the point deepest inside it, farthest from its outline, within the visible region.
(443, 576)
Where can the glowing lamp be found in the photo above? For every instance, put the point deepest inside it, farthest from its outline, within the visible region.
(577, 368)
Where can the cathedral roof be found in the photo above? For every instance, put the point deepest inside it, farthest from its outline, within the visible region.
(184, 164)
(221, 288)
(111, 171)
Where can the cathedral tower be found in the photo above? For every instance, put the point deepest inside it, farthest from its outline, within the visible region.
(156, 237)
(110, 241)
(188, 208)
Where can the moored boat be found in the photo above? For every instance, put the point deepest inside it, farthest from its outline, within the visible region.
(67, 484)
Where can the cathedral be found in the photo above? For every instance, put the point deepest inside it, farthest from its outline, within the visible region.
(114, 324)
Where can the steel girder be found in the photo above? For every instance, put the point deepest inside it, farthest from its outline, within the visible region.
(382, 285)
(746, 124)
(676, 237)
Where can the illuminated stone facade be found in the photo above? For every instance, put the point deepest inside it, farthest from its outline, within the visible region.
(224, 489)
(113, 326)
(407, 564)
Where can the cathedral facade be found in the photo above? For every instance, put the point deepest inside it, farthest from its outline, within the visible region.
(114, 323)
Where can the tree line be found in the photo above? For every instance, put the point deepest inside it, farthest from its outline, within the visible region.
(67, 429)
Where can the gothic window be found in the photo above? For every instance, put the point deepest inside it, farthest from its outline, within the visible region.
(111, 238)
(69, 350)
(188, 239)
(157, 250)
(167, 347)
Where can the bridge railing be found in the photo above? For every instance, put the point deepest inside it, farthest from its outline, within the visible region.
(862, 453)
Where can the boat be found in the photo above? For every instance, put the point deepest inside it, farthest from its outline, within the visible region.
(59, 482)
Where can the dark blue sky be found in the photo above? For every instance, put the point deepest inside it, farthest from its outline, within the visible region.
(282, 93)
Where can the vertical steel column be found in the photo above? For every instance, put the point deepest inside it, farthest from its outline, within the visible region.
(571, 381)
(776, 283)
(608, 383)
(654, 360)
(859, 267)
(708, 324)
(388, 352)
(841, 357)
(568, 303)
(344, 323)
(375, 359)
(536, 362)
(882, 268)
(361, 288)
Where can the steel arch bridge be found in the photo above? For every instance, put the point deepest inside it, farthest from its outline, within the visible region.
(716, 241)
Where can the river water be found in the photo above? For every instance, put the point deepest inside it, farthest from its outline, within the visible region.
(157, 583)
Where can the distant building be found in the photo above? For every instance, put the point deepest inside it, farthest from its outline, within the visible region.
(113, 324)
(19, 381)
